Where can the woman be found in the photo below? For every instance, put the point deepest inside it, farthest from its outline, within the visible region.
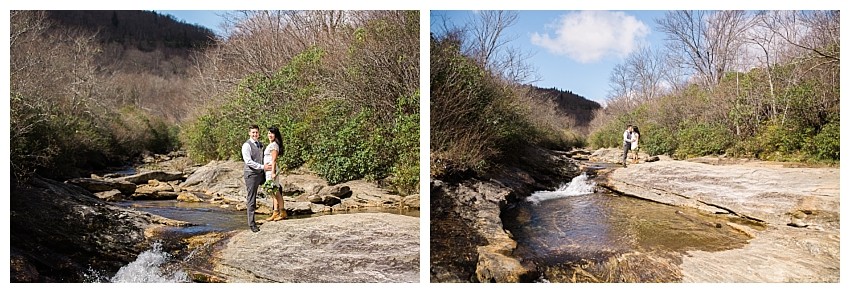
(270, 158)
(635, 147)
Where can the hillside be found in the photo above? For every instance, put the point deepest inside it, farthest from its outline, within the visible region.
(577, 107)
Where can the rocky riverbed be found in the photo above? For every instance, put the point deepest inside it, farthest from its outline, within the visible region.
(797, 206)
(66, 231)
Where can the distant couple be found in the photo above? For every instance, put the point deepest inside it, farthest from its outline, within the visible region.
(253, 154)
(630, 142)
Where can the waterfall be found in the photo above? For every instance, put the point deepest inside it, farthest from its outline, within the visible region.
(580, 185)
(151, 266)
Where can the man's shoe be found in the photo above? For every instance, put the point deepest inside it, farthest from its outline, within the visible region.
(255, 229)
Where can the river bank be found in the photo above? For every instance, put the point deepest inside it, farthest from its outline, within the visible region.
(86, 229)
(798, 208)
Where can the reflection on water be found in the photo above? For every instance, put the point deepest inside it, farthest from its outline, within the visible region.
(208, 217)
(596, 230)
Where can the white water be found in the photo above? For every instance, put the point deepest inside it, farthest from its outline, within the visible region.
(150, 266)
(580, 185)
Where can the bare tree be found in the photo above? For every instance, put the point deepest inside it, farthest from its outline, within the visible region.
(639, 79)
(708, 40)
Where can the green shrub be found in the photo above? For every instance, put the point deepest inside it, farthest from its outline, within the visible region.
(699, 139)
(825, 146)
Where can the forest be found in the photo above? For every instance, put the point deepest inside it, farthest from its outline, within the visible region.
(94, 89)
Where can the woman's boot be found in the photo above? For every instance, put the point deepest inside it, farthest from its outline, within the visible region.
(273, 217)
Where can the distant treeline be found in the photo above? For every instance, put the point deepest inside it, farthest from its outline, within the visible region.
(145, 30)
(570, 104)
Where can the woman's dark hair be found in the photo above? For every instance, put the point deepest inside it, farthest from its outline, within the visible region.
(635, 129)
(277, 138)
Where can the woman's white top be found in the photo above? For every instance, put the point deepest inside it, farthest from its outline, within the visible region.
(267, 157)
(635, 138)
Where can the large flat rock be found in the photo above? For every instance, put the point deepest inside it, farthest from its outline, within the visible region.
(345, 248)
(798, 207)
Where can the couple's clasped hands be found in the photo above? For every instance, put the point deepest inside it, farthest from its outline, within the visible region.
(268, 167)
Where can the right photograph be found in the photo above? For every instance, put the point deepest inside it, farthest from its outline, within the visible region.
(634, 146)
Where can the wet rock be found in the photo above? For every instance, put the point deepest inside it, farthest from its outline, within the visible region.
(347, 248)
(98, 185)
(58, 232)
(144, 177)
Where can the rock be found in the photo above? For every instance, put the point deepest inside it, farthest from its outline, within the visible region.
(367, 200)
(495, 267)
(345, 248)
(411, 201)
(330, 200)
(319, 208)
(218, 177)
(144, 177)
(652, 159)
(97, 185)
(59, 232)
(795, 222)
(188, 197)
(112, 195)
(156, 195)
(767, 196)
(338, 191)
(298, 208)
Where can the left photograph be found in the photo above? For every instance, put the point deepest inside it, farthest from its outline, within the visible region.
(214, 146)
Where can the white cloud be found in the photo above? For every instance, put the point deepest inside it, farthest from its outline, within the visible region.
(587, 36)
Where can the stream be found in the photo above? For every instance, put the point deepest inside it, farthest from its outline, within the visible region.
(158, 266)
(584, 233)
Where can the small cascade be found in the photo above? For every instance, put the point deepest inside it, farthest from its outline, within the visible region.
(580, 185)
(151, 266)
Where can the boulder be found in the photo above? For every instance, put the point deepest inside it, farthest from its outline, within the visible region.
(298, 208)
(218, 177)
(188, 197)
(112, 195)
(338, 191)
(411, 201)
(144, 177)
(99, 185)
(61, 233)
(345, 248)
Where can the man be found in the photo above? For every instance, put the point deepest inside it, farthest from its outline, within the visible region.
(252, 154)
(627, 143)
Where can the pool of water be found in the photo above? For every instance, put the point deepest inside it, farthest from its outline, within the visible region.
(601, 237)
(212, 218)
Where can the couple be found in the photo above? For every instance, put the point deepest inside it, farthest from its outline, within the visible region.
(630, 142)
(253, 154)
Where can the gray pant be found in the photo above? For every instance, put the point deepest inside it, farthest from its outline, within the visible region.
(626, 147)
(252, 182)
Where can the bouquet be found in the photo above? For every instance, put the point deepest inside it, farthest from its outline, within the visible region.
(269, 187)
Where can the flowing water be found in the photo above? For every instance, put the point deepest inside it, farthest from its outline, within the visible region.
(580, 233)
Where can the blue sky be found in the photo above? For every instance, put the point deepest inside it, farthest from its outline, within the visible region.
(210, 19)
(575, 50)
